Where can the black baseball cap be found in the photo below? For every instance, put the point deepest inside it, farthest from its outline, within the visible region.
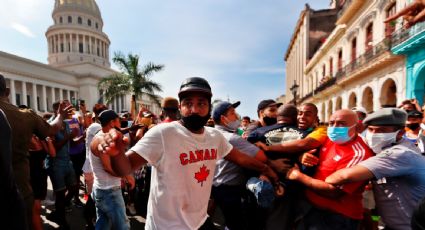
(195, 84)
(267, 103)
(106, 116)
(415, 113)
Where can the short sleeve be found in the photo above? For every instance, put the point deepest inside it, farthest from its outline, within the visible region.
(319, 134)
(224, 147)
(390, 163)
(41, 127)
(244, 146)
(151, 146)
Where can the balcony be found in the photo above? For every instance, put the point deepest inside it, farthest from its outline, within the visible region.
(367, 61)
(405, 40)
(376, 57)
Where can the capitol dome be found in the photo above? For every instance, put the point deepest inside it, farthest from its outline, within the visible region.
(77, 37)
(85, 6)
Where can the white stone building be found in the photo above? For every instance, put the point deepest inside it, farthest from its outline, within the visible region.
(78, 57)
(354, 65)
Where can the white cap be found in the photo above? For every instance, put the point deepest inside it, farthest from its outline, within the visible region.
(359, 109)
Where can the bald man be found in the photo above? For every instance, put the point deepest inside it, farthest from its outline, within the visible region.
(332, 207)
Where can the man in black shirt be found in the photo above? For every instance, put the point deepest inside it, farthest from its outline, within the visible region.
(281, 215)
(13, 209)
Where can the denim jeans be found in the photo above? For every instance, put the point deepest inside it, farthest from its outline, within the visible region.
(110, 209)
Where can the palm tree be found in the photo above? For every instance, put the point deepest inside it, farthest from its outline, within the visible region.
(131, 79)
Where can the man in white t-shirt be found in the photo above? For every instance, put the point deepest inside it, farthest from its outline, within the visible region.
(183, 155)
(110, 207)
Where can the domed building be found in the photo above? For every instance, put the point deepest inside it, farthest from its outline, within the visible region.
(78, 57)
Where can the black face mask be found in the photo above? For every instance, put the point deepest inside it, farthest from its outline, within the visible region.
(270, 120)
(195, 122)
(413, 126)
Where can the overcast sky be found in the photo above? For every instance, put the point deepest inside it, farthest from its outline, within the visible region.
(237, 45)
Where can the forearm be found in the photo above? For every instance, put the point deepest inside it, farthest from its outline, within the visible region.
(56, 125)
(121, 165)
(295, 147)
(49, 147)
(125, 130)
(320, 187)
(347, 175)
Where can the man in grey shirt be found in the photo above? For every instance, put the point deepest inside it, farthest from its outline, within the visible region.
(229, 181)
(397, 170)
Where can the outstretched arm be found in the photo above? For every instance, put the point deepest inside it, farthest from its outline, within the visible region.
(402, 12)
(245, 161)
(318, 186)
(295, 146)
(347, 175)
(56, 124)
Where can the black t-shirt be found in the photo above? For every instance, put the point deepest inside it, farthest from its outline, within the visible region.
(7, 181)
(276, 134)
(12, 206)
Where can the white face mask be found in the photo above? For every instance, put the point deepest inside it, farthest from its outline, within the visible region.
(377, 141)
(233, 125)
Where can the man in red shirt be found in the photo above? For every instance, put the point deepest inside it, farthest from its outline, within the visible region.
(334, 207)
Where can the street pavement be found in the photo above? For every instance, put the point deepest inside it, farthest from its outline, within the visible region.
(75, 218)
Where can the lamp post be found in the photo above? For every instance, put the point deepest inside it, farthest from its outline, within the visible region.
(294, 89)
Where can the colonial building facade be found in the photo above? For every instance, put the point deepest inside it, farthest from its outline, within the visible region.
(78, 57)
(354, 65)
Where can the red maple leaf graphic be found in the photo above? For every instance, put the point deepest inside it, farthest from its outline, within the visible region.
(202, 175)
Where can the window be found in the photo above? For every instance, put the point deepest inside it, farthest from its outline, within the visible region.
(324, 70)
(340, 60)
(60, 20)
(62, 48)
(89, 22)
(80, 20)
(353, 49)
(28, 101)
(369, 37)
(69, 19)
(38, 104)
(331, 67)
(390, 26)
(97, 26)
(80, 47)
(18, 99)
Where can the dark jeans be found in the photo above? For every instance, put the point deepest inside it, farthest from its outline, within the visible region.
(318, 219)
(418, 217)
(77, 163)
(229, 199)
(208, 225)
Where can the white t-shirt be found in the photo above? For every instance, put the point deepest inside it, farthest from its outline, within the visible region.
(182, 174)
(90, 133)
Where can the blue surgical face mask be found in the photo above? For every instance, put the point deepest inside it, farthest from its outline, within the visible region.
(339, 135)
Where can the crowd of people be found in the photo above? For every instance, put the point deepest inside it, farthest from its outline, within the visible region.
(199, 165)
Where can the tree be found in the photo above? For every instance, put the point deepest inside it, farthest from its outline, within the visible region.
(131, 79)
